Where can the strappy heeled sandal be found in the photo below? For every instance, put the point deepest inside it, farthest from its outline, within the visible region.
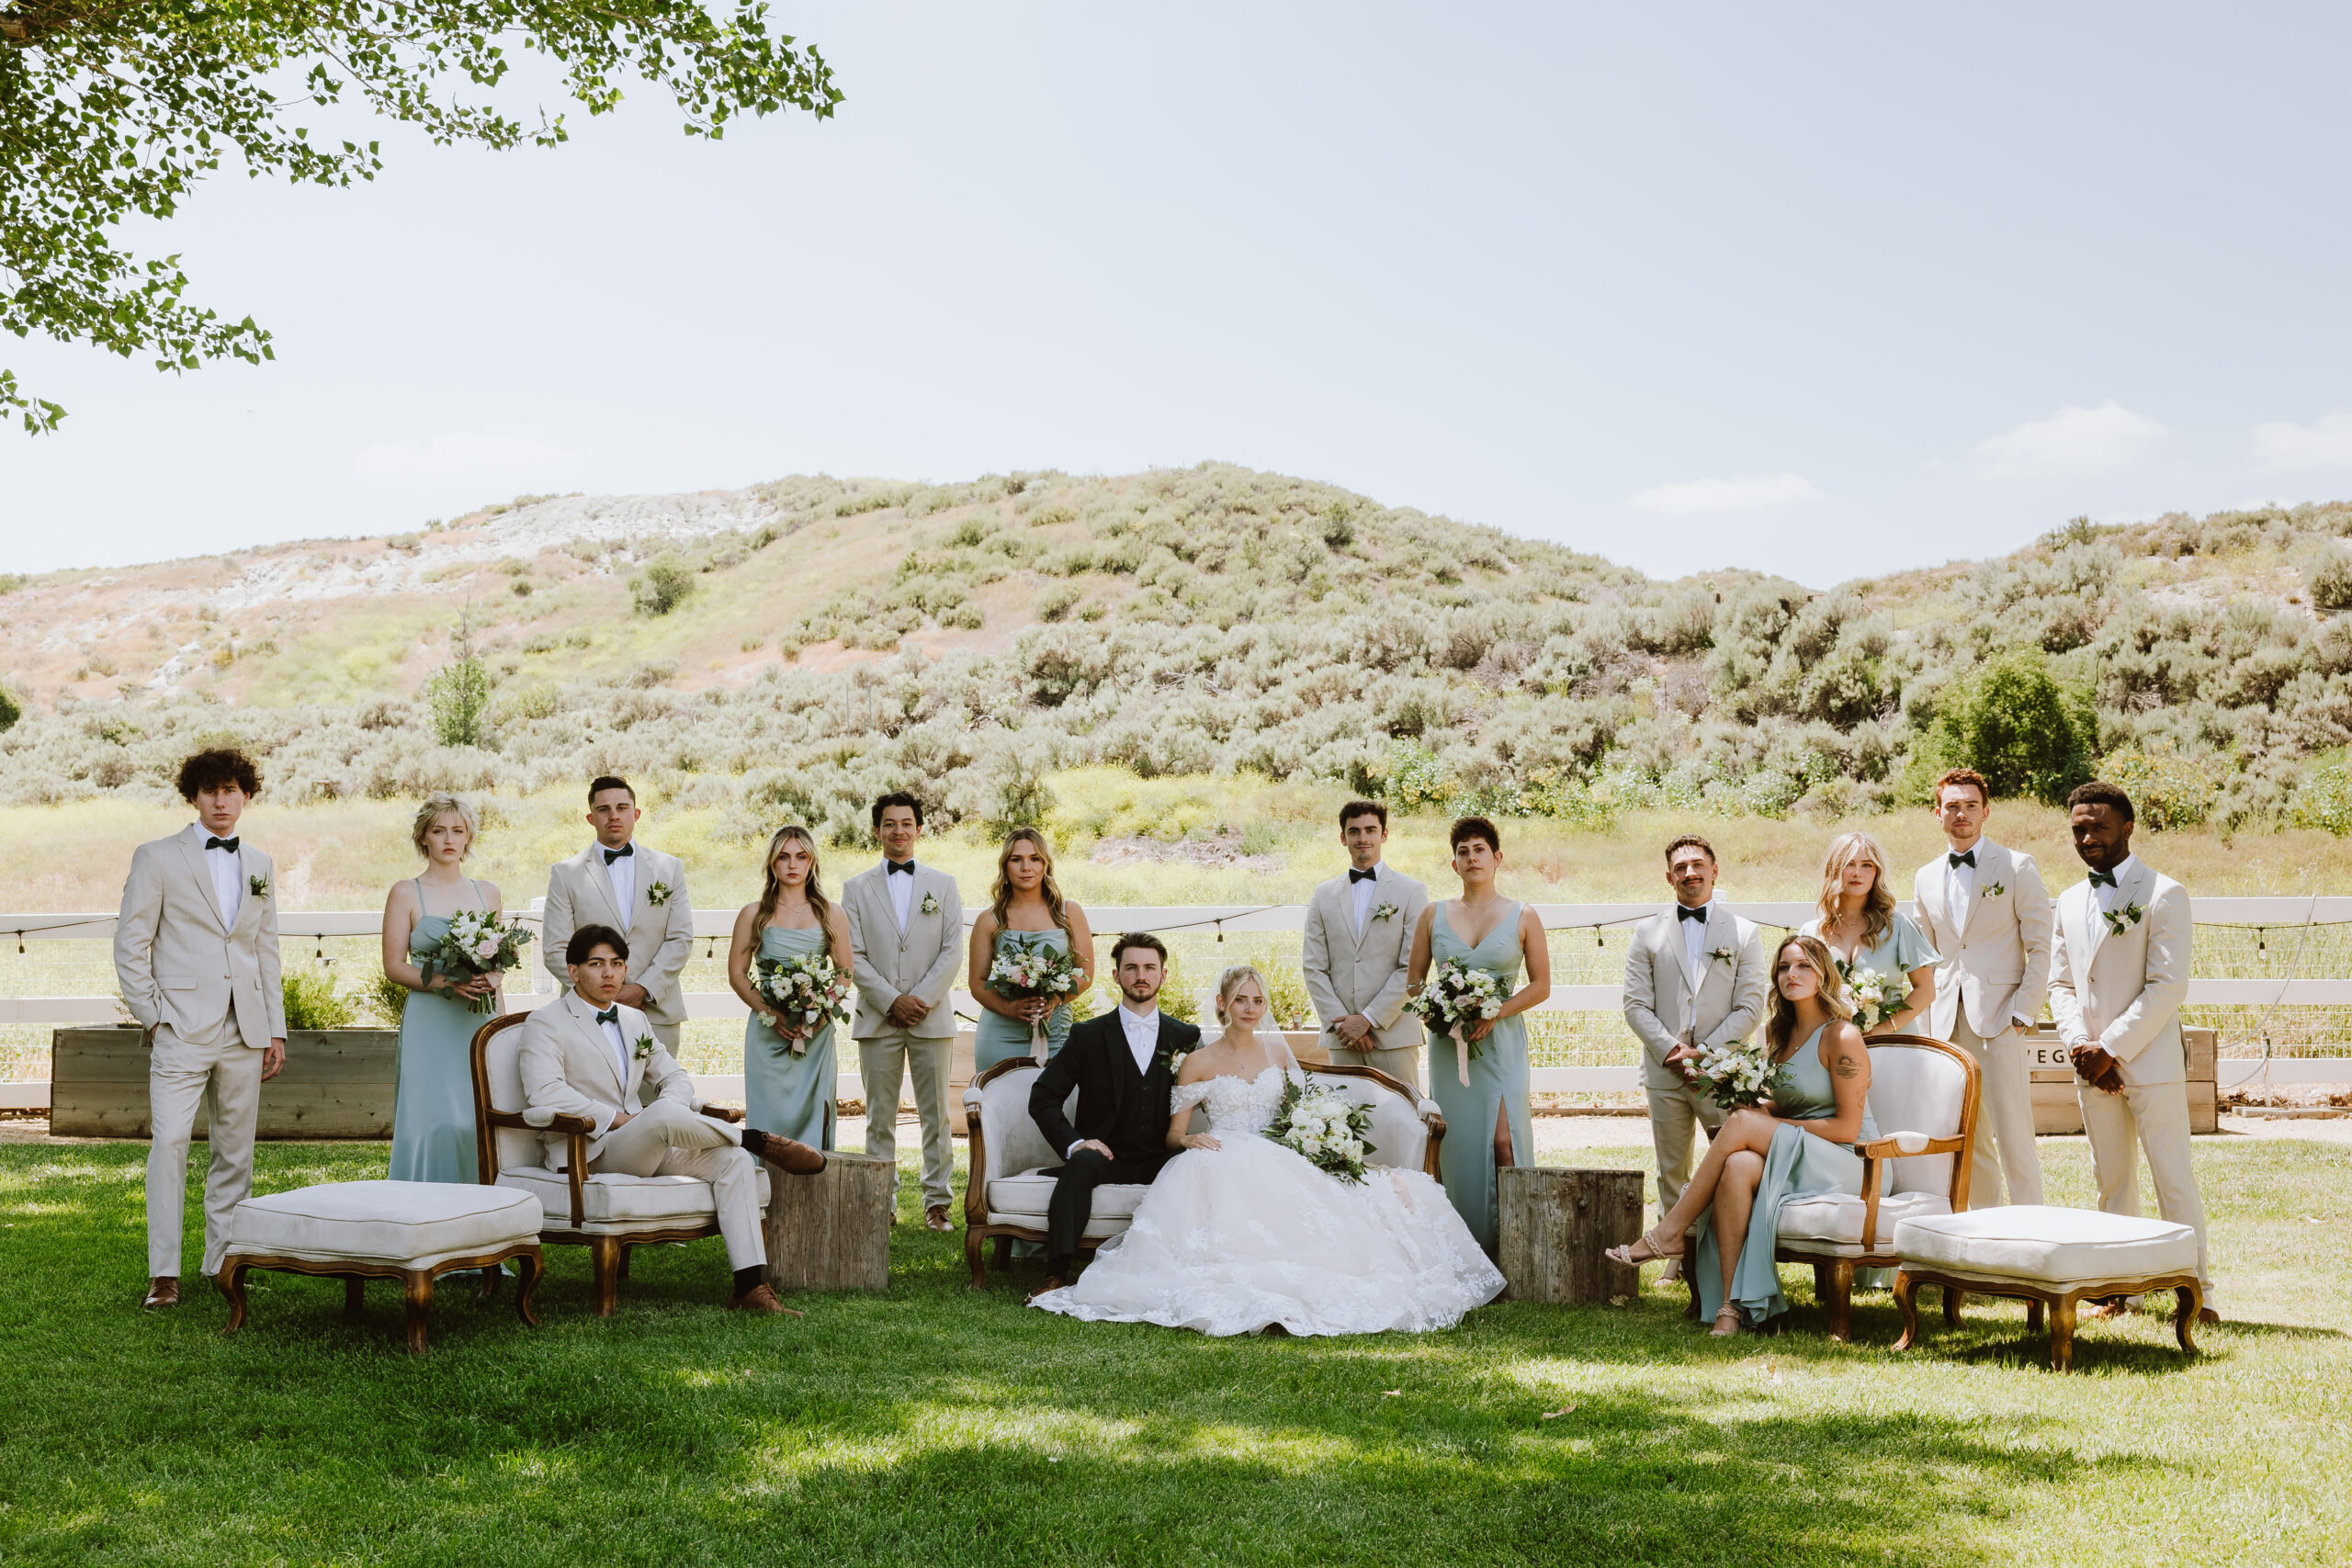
(1649, 1238)
(1727, 1323)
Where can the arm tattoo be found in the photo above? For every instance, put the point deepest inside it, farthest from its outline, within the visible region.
(1848, 1067)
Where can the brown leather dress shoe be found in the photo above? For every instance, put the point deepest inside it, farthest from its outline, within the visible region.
(935, 1218)
(793, 1159)
(1053, 1282)
(163, 1291)
(761, 1298)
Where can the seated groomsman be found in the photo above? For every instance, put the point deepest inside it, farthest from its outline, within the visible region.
(906, 939)
(2118, 971)
(196, 954)
(589, 1053)
(635, 889)
(1359, 940)
(1695, 977)
(1985, 910)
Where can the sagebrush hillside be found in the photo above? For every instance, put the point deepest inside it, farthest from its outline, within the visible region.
(790, 649)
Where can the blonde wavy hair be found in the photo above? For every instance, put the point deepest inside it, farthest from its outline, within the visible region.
(1232, 980)
(1781, 1024)
(1878, 909)
(438, 805)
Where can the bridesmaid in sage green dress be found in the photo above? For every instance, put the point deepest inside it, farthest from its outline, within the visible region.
(1485, 1095)
(788, 1071)
(433, 1104)
(1028, 911)
(1801, 1145)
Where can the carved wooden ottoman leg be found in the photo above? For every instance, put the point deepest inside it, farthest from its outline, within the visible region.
(604, 1256)
(626, 1252)
(2061, 1333)
(492, 1278)
(975, 1250)
(1952, 1295)
(1906, 1291)
(2188, 1302)
(231, 1280)
(2034, 1312)
(1690, 1282)
(420, 1302)
(528, 1280)
(355, 1297)
(1002, 1259)
(1841, 1300)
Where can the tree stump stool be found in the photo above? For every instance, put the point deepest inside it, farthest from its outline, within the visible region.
(1555, 1224)
(831, 1231)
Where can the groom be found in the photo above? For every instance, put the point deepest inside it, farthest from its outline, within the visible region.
(1123, 1066)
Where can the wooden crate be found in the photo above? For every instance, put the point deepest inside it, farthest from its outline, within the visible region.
(338, 1083)
(2056, 1110)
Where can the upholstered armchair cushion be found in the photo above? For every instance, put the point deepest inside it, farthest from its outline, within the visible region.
(1011, 1139)
(502, 1064)
(414, 1223)
(1915, 1090)
(1021, 1200)
(614, 1200)
(2049, 1246)
(1835, 1220)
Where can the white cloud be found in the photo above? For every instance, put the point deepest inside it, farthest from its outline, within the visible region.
(459, 452)
(2325, 443)
(1746, 493)
(2073, 441)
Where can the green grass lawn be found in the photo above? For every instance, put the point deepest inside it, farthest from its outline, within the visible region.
(931, 1424)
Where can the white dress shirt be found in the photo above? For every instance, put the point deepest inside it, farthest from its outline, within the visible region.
(2107, 898)
(1694, 944)
(903, 892)
(1963, 883)
(622, 874)
(1363, 894)
(228, 878)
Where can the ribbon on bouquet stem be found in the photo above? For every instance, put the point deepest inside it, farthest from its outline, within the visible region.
(1461, 1054)
(1037, 1041)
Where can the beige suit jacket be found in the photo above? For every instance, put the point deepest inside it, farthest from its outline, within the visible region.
(1997, 951)
(1350, 971)
(919, 961)
(569, 1067)
(175, 961)
(661, 936)
(1660, 1005)
(2125, 987)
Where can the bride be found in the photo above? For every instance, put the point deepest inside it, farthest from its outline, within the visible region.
(1239, 1235)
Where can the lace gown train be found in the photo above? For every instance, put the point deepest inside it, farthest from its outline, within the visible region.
(1236, 1239)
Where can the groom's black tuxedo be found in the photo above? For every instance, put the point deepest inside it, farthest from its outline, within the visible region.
(1117, 1104)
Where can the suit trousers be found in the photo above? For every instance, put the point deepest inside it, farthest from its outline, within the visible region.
(668, 1138)
(884, 1063)
(2004, 1117)
(1674, 1115)
(225, 1079)
(2155, 1117)
(1403, 1064)
(1072, 1203)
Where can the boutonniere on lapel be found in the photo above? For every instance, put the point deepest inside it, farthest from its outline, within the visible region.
(260, 886)
(931, 903)
(1726, 955)
(1384, 912)
(659, 893)
(1992, 890)
(1173, 1060)
(643, 1048)
(2123, 920)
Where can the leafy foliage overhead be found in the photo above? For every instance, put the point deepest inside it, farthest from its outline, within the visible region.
(111, 111)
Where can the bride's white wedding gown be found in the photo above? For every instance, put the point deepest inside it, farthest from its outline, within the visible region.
(1235, 1239)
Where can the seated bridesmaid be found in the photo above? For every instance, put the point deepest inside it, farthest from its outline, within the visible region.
(787, 1070)
(1861, 926)
(433, 1104)
(1798, 1145)
(1028, 911)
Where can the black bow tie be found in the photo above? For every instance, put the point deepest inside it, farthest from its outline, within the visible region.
(610, 1015)
(1961, 858)
(622, 854)
(1699, 914)
(899, 866)
(228, 844)
(1355, 877)
(2102, 879)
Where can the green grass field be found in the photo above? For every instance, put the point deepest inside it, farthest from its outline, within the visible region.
(931, 1424)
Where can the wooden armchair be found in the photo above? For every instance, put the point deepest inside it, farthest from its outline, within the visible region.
(607, 1212)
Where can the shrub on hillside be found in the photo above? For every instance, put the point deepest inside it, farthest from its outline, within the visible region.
(313, 1002)
(2012, 721)
(662, 586)
(2168, 791)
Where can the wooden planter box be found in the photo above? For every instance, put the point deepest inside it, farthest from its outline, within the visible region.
(338, 1083)
(2055, 1110)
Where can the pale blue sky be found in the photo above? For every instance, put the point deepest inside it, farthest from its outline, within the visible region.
(1827, 290)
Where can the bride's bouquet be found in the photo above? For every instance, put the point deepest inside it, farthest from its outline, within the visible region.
(477, 942)
(1876, 995)
(1455, 996)
(1022, 972)
(807, 988)
(1734, 1075)
(1324, 1126)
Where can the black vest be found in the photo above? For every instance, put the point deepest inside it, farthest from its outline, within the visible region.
(1142, 1127)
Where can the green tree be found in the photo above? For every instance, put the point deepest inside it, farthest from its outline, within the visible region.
(110, 113)
(458, 692)
(2011, 720)
(662, 586)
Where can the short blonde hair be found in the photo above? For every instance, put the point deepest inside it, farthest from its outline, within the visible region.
(440, 804)
(1231, 981)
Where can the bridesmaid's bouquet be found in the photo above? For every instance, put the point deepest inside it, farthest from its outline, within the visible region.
(1025, 974)
(1734, 1075)
(806, 989)
(1876, 995)
(477, 942)
(1324, 1127)
(1455, 996)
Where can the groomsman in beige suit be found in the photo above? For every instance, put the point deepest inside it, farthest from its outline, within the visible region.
(1695, 977)
(2118, 971)
(905, 938)
(196, 954)
(590, 1055)
(638, 891)
(1984, 907)
(1359, 940)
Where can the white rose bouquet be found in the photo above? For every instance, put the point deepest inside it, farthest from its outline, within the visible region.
(806, 989)
(1324, 1127)
(1455, 996)
(1876, 995)
(477, 942)
(1023, 973)
(1734, 1075)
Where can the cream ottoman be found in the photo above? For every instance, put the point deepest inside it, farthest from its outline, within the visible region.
(410, 1231)
(2046, 1257)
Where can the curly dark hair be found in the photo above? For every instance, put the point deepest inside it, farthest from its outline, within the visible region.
(2098, 792)
(216, 766)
